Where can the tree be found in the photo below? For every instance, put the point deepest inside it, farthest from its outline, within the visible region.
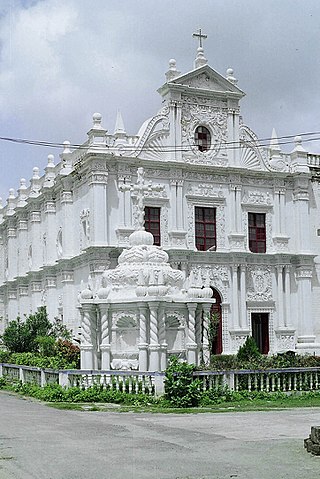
(16, 337)
(35, 334)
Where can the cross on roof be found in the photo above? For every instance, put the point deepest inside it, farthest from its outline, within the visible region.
(200, 36)
(140, 190)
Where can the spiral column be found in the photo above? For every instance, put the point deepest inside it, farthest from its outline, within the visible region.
(143, 344)
(191, 344)
(105, 337)
(154, 346)
(87, 354)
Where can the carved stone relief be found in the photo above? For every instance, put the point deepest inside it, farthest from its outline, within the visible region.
(259, 283)
(84, 228)
(256, 197)
(215, 119)
(218, 276)
(59, 243)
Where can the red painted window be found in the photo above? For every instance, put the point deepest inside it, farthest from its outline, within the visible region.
(152, 223)
(216, 309)
(257, 232)
(205, 228)
(202, 138)
(260, 331)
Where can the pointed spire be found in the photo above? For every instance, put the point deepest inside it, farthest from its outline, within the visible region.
(274, 142)
(119, 129)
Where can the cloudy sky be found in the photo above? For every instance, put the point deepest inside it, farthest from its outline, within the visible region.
(63, 60)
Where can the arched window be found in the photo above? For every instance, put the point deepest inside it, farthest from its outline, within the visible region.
(202, 138)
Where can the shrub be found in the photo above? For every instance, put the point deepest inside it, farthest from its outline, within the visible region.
(37, 334)
(46, 345)
(35, 359)
(180, 387)
(68, 351)
(249, 351)
(223, 361)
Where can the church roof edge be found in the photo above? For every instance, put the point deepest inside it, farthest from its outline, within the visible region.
(179, 81)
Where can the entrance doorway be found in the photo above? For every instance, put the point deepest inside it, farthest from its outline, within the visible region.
(260, 331)
(216, 311)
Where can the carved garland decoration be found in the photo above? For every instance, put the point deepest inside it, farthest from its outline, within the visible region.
(259, 284)
(215, 119)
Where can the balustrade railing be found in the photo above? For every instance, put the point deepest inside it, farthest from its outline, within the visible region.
(152, 383)
(313, 160)
(270, 380)
(136, 382)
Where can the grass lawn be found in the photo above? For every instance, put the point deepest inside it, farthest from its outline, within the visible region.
(240, 406)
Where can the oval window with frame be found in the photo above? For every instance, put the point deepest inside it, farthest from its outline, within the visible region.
(202, 138)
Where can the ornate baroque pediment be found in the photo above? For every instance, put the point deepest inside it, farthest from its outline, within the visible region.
(206, 78)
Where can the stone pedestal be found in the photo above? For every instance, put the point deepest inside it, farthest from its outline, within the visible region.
(105, 356)
(163, 356)
(154, 363)
(192, 353)
(86, 357)
(143, 356)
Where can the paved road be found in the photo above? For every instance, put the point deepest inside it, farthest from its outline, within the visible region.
(38, 442)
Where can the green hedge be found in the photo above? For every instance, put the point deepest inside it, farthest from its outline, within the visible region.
(37, 360)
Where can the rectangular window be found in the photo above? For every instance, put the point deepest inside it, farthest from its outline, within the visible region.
(257, 232)
(152, 222)
(205, 228)
(260, 331)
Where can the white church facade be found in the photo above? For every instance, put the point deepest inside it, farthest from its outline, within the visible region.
(235, 230)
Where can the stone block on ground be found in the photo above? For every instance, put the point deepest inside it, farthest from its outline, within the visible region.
(315, 434)
(312, 443)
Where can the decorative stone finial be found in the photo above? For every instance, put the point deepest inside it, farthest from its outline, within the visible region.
(35, 182)
(50, 160)
(11, 202)
(200, 58)
(22, 193)
(97, 118)
(49, 172)
(299, 157)
(97, 134)
(66, 146)
(230, 76)
(172, 72)
(66, 159)
(298, 143)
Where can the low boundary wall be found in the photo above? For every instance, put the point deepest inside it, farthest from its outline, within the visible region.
(152, 382)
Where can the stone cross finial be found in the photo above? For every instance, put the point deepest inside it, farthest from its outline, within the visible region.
(200, 36)
(140, 190)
